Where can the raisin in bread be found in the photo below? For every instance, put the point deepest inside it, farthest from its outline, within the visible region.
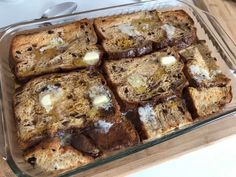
(156, 120)
(201, 68)
(140, 33)
(61, 101)
(62, 48)
(154, 76)
(203, 102)
(51, 156)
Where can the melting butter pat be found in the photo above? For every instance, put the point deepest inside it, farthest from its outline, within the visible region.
(170, 30)
(50, 97)
(101, 100)
(91, 57)
(168, 60)
(46, 102)
(137, 80)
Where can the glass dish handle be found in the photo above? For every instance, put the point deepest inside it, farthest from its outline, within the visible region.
(227, 43)
(3, 153)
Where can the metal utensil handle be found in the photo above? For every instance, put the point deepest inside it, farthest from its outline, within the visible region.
(65, 8)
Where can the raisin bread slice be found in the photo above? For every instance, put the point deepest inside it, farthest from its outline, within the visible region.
(62, 48)
(158, 119)
(154, 76)
(51, 156)
(179, 28)
(201, 68)
(61, 101)
(140, 33)
(130, 35)
(203, 102)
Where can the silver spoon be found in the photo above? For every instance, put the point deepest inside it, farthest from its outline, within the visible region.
(60, 9)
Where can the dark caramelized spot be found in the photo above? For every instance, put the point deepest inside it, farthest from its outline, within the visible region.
(181, 109)
(103, 20)
(69, 96)
(53, 150)
(165, 111)
(82, 26)
(30, 49)
(59, 33)
(44, 89)
(18, 52)
(65, 123)
(50, 32)
(103, 82)
(126, 90)
(32, 160)
(74, 55)
(34, 45)
(57, 84)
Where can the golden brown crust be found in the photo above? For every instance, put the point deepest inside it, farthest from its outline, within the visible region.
(130, 76)
(124, 35)
(203, 102)
(53, 50)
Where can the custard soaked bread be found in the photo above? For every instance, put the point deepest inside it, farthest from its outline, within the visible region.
(206, 101)
(201, 68)
(63, 48)
(51, 156)
(156, 120)
(140, 33)
(62, 101)
(109, 136)
(210, 89)
(154, 76)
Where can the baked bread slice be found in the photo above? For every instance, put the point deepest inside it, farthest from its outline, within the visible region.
(51, 156)
(61, 101)
(109, 135)
(203, 102)
(158, 119)
(140, 33)
(129, 35)
(84, 144)
(201, 68)
(150, 77)
(62, 48)
(179, 27)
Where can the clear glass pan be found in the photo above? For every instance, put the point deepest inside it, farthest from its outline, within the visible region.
(207, 27)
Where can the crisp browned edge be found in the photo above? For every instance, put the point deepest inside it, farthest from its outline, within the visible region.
(22, 80)
(193, 110)
(13, 63)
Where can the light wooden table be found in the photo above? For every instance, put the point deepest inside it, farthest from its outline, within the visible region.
(225, 12)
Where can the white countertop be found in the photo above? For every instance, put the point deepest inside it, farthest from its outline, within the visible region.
(216, 160)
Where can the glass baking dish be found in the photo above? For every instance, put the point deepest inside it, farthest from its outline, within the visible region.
(208, 29)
